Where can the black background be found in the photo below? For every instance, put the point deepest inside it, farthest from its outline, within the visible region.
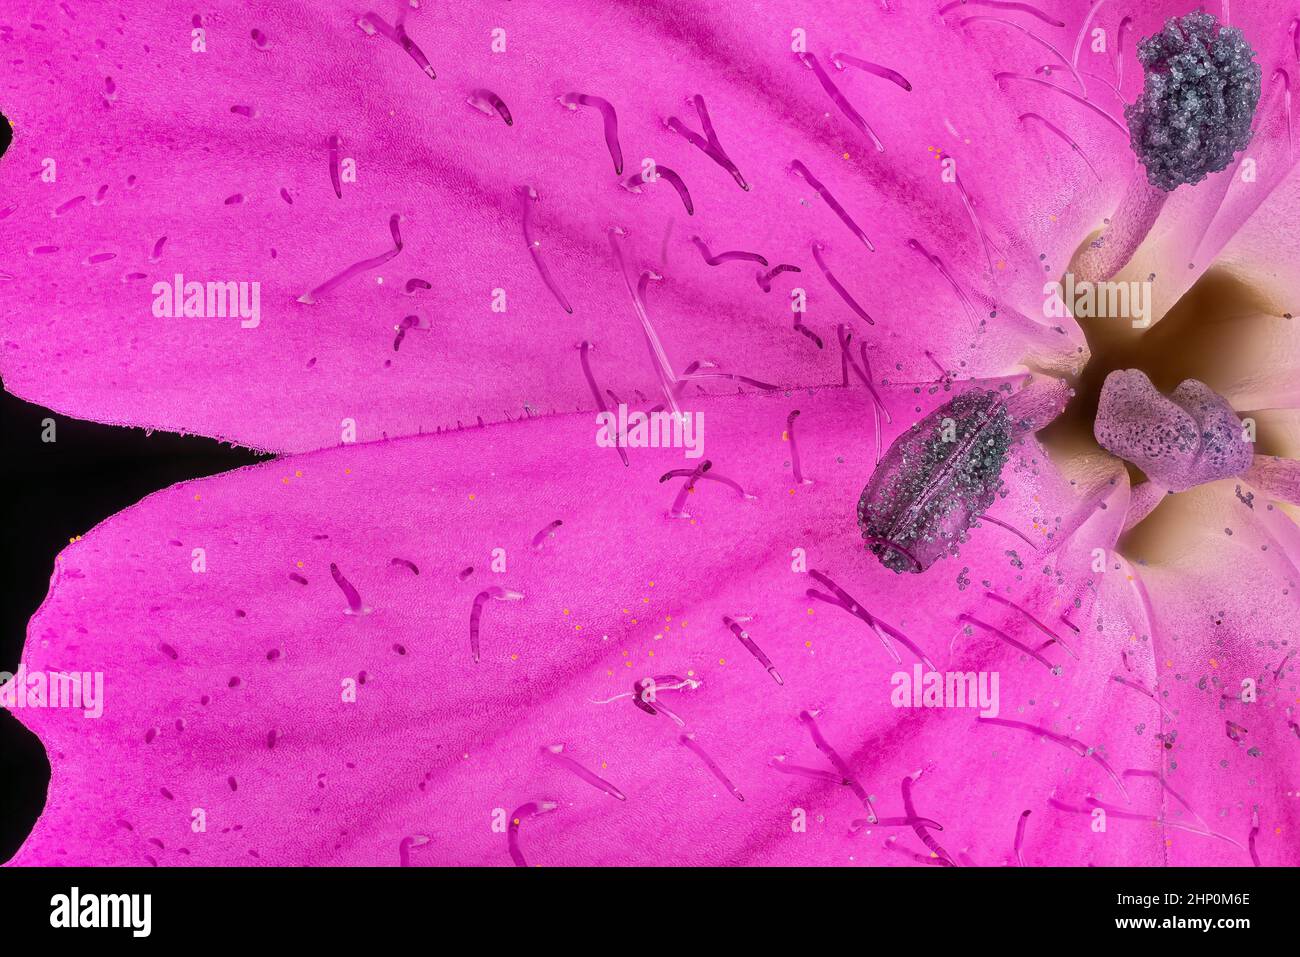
(52, 492)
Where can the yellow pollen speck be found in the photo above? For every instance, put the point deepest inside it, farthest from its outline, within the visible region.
(347, 471)
(198, 497)
(1168, 663)
(284, 481)
(722, 661)
(810, 611)
(566, 611)
(514, 657)
(690, 674)
(846, 155)
(651, 652)
(603, 765)
(652, 584)
(785, 436)
(298, 473)
(1213, 663)
(645, 601)
(300, 564)
(668, 617)
(628, 663)
(471, 496)
(577, 628)
(807, 644)
(634, 621)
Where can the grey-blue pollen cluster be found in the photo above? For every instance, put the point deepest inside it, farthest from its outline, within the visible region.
(1198, 101)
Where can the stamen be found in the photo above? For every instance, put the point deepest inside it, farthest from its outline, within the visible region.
(822, 745)
(910, 810)
(1078, 150)
(334, 166)
(711, 147)
(726, 257)
(838, 98)
(530, 810)
(634, 184)
(584, 348)
(1020, 836)
(465, 572)
(492, 591)
(414, 284)
(794, 449)
(528, 196)
(1054, 669)
(547, 532)
(309, 298)
(556, 753)
(765, 281)
(398, 35)
(487, 102)
(838, 286)
(1034, 621)
(405, 564)
(798, 167)
(1003, 5)
(574, 100)
(752, 648)
(354, 599)
(688, 740)
(884, 72)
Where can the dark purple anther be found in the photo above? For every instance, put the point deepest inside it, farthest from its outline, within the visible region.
(935, 481)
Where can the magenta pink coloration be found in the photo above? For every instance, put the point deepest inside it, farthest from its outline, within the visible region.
(378, 722)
